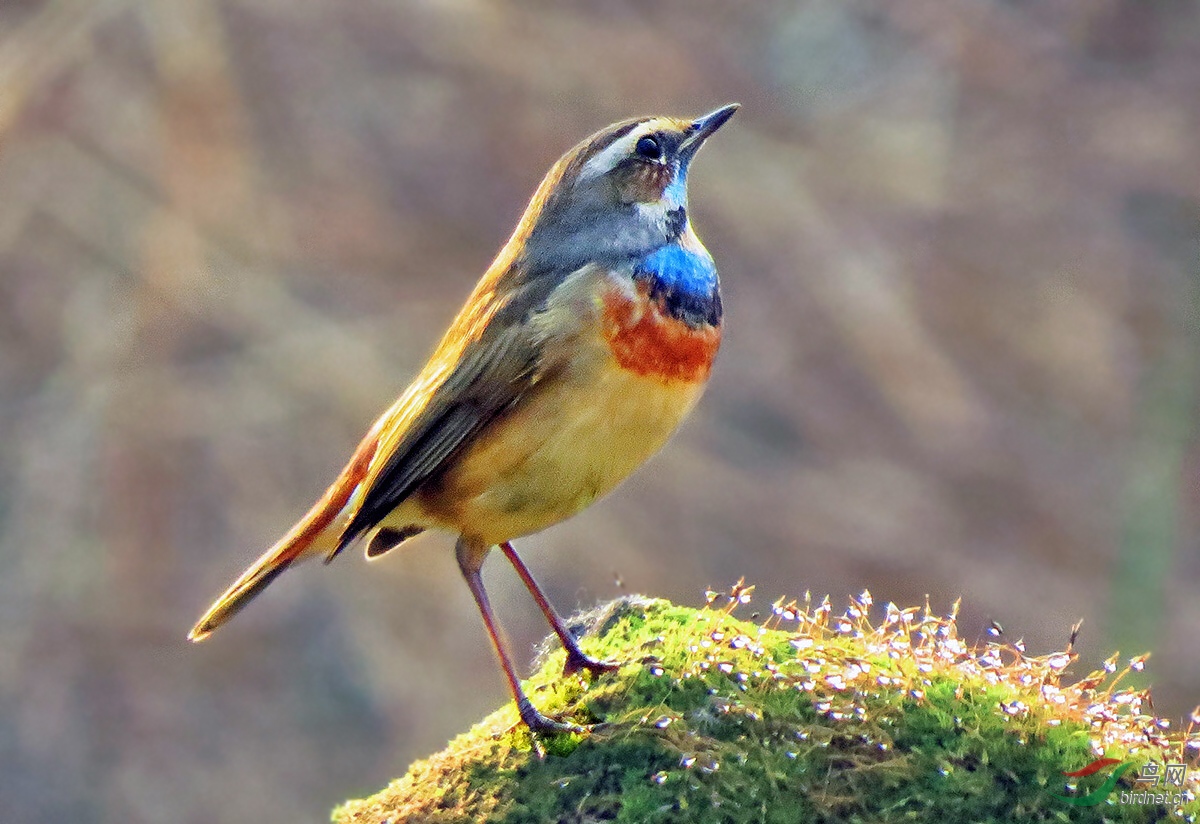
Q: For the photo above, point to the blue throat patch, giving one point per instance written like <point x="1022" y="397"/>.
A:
<point x="685" y="281"/>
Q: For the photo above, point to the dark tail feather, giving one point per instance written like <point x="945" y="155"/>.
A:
<point x="388" y="539"/>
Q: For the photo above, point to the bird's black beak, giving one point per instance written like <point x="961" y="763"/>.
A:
<point x="703" y="127"/>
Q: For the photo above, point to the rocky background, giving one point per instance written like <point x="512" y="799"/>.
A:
<point x="960" y="243"/>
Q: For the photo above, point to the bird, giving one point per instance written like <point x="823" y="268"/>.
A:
<point x="580" y="351"/>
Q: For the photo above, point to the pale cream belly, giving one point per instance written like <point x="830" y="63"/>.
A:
<point x="563" y="447"/>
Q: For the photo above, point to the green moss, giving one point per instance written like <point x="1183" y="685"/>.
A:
<point x="806" y="717"/>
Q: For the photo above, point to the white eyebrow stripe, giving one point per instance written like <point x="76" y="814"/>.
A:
<point x="614" y="154"/>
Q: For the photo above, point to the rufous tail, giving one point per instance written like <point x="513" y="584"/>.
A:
<point x="262" y="572"/>
<point x="317" y="531"/>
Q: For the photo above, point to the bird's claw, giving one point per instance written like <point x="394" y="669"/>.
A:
<point x="542" y="725"/>
<point x="577" y="661"/>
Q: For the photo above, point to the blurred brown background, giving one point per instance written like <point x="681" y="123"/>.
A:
<point x="959" y="242"/>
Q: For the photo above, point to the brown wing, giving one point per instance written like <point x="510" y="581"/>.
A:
<point x="490" y="359"/>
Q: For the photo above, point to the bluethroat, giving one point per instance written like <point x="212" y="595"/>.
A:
<point x="583" y="346"/>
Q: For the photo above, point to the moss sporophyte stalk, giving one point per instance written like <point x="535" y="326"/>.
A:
<point x="804" y="714"/>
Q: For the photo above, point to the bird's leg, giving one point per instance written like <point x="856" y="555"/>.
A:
<point x="576" y="658"/>
<point x="470" y="560"/>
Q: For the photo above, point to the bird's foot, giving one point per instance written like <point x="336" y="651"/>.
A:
<point x="577" y="661"/>
<point x="541" y="725"/>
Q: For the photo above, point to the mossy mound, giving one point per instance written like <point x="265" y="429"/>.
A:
<point x="806" y="716"/>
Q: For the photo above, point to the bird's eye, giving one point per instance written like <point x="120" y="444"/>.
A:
<point x="648" y="148"/>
